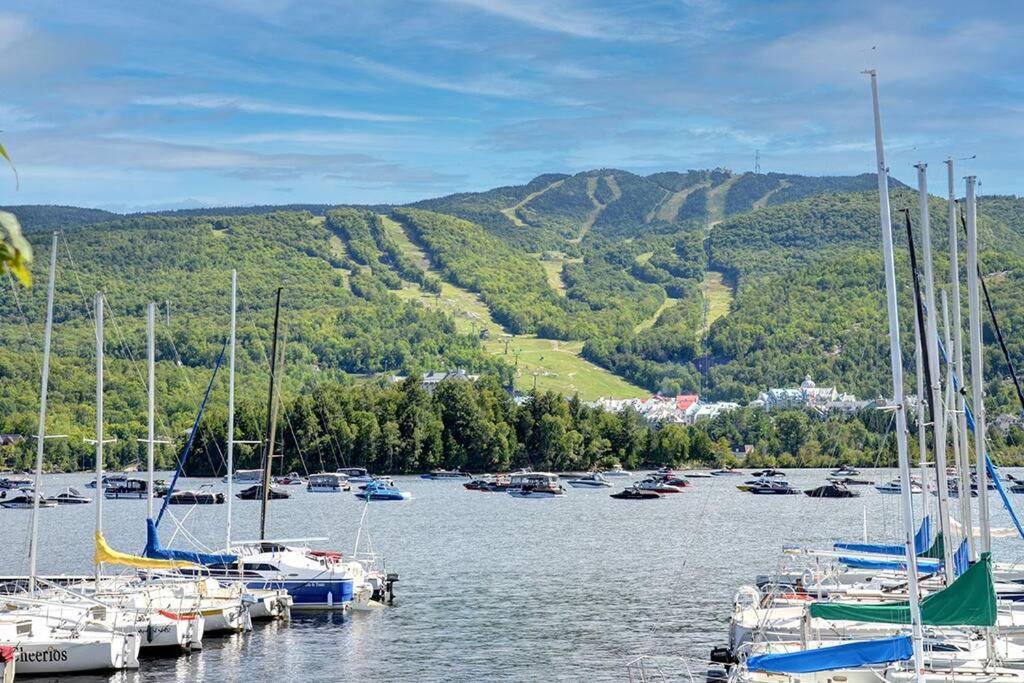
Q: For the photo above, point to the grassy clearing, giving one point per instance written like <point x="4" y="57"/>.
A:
<point x="511" y="212"/>
<point x="649" y="323"/>
<point x="716" y="200"/>
<point x="718" y="297"/>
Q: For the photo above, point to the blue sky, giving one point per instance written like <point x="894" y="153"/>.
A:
<point x="134" y="104"/>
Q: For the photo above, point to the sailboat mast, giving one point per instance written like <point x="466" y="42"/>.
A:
<point x="896" y="359"/>
<point x="231" y="408"/>
<point x="931" y="338"/>
<point x="977" y="366"/>
<point x="99" y="422"/>
<point x="268" y="451"/>
<point x="919" y="414"/>
<point x="963" y="463"/>
<point x="151" y="403"/>
<point x="33" y="544"/>
<point x="953" y="430"/>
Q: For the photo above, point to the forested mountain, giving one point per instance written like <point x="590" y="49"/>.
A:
<point x="702" y="280"/>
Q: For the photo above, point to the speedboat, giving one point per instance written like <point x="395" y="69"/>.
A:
<point x="328" y="482"/>
<point x="200" y="496"/>
<point x="481" y="484"/>
<point x="724" y="472"/>
<point x="658" y="486"/>
<point x="769" y="472"/>
<point x="376" y="490"/>
<point x="845" y="471"/>
<point x="773" y="488"/>
<point x="699" y="474"/>
<point x="15" y="483"/>
<point x="849" y="481"/>
<point x="535" y="485"/>
<point x="833" y="490"/>
<point x="617" y="472"/>
<point x="245" y="477"/>
<point x="256" y="493"/>
<point x="70" y="496"/>
<point x="445" y="474"/>
<point x="22" y="500"/>
<point x="894" y="487"/>
<point x="636" y="493"/>
<point x="356" y="475"/>
<point x="761" y="482"/>
<point x="113" y="479"/>
<point x="592" y="480"/>
<point x="290" y="479"/>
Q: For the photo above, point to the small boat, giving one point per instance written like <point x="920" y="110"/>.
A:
<point x="445" y="474"/>
<point x="113" y="479"/>
<point x="200" y="496"/>
<point x="15" y="483"/>
<point x="356" y="475"/>
<point x="636" y="493"/>
<point x="500" y="484"/>
<point x="850" y="481"/>
<point x="761" y="482"/>
<point x="769" y="472"/>
<point x="699" y="474"/>
<point x="617" y="472"/>
<point x="245" y="477"/>
<point x="256" y="493"/>
<point x="845" y="471"/>
<point x="290" y="479"/>
<point x="376" y="490"/>
<point x="70" y="496"/>
<point x="725" y="472"/>
<point x="132" y="488"/>
<point x="833" y="490"/>
<point x="328" y="482"/>
<point x="893" y="487"/>
<point x="773" y="488"/>
<point x="481" y="484"/>
<point x="534" y="485"/>
<point x="592" y="480"/>
<point x="658" y="486"/>
<point x="22" y="500"/>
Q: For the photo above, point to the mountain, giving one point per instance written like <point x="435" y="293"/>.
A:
<point x="599" y="283"/>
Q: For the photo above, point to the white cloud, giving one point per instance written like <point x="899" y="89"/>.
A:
<point x="208" y="101"/>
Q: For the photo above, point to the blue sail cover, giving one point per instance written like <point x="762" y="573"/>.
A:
<point x="845" y="656"/>
<point x="924" y="565"/>
<point x="922" y="541"/>
<point x="156" y="551"/>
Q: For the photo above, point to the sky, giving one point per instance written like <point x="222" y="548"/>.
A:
<point x="138" y="104"/>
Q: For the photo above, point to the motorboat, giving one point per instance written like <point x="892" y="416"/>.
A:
<point x="725" y="472"/>
<point x="256" y="493"/>
<point x="617" y="472"/>
<point x="658" y="486"/>
<point x="132" y="488"/>
<point x="480" y="484"/>
<point x="290" y="479"/>
<point x="379" y="491"/>
<point x="894" y="488"/>
<point x="845" y="471"/>
<point x="768" y="472"/>
<point x="773" y="488"/>
<point x="534" y="485"/>
<point x="113" y="479"/>
<point x="327" y="482"/>
<point x="383" y="481"/>
<point x="445" y="474"/>
<point x="761" y="482"/>
<point x="593" y="480"/>
<point x="22" y="500"/>
<point x="636" y="493"/>
<point x="832" y="490"/>
<point x="356" y="475"/>
<point x="70" y="496"/>
<point x="245" y="477"/>
<point x="201" y="496"/>
<point x="15" y="483"/>
<point x="698" y="474"/>
<point x="849" y="481"/>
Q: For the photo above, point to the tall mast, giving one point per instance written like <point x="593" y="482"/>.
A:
<point x="977" y="366"/>
<point x="963" y="464"/>
<point x="896" y="359"/>
<point x="151" y="403"/>
<point x="231" y="408"/>
<point x="919" y="414"/>
<point x="949" y="409"/>
<point x="268" y="451"/>
<point x="33" y="544"/>
<point x="931" y="339"/>
<point x="99" y="422"/>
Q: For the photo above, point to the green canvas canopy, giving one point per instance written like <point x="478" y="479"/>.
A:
<point x="968" y="601"/>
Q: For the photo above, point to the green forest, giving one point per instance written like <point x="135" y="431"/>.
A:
<point x="606" y="264"/>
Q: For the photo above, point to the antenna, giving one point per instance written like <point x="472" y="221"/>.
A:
<point x="757" y="161"/>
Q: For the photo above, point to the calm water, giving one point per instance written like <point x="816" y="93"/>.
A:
<point x="492" y="587"/>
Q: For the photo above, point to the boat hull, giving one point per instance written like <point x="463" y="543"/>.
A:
<point x="69" y="656"/>
<point x="312" y="594"/>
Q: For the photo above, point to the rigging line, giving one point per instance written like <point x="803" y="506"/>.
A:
<point x="24" y="318"/>
<point x="74" y="271"/>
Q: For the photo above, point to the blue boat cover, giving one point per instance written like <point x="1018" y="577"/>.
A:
<point x="845" y="656"/>
<point x="925" y="565"/>
<point x="922" y="541"/>
<point x="155" y="550"/>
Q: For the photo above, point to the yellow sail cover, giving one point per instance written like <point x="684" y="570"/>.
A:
<point x="104" y="553"/>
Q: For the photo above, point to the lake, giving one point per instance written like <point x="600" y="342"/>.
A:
<point x="492" y="587"/>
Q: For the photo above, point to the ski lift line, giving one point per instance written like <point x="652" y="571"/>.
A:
<point x="192" y="434"/>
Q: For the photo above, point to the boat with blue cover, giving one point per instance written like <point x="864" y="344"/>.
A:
<point x="376" y="490"/>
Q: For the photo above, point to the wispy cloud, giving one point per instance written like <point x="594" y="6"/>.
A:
<point x="227" y="102"/>
<point x="557" y="17"/>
